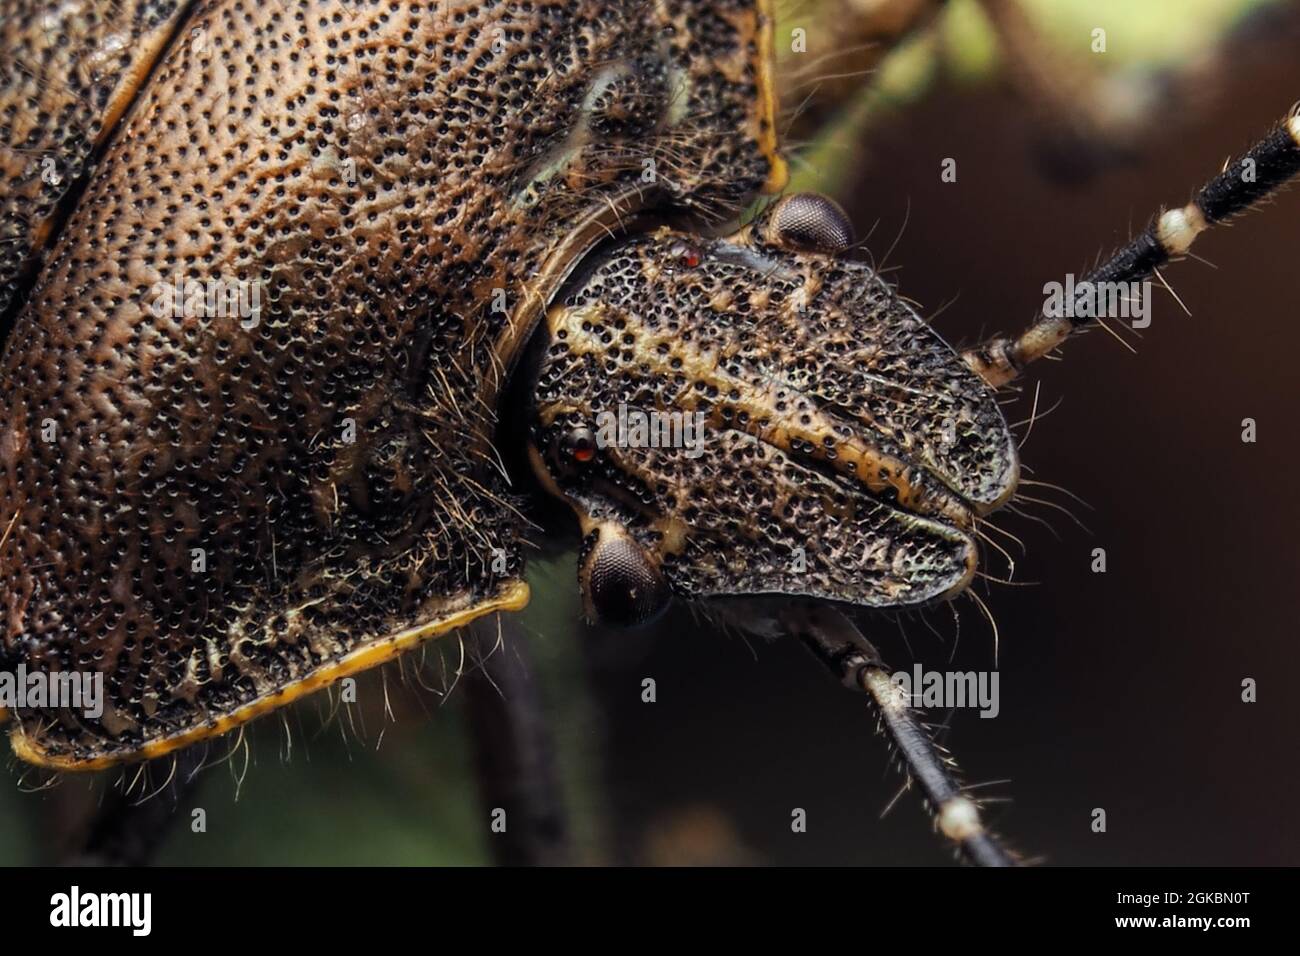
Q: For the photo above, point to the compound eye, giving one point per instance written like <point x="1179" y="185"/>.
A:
<point x="578" y="446"/>
<point x="812" y="222"/>
<point x="623" y="587"/>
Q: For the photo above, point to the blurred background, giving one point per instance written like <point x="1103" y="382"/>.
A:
<point x="1119" y="690"/>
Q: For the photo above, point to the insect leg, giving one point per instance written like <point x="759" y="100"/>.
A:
<point x="1259" y="172"/>
<point x="129" y="826"/>
<point x="514" y="750"/>
<point x="841" y="647"/>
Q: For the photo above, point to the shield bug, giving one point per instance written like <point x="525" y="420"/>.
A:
<point x="259" y="351"/>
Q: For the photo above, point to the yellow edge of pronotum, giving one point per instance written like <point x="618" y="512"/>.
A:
<point x="779" y="172"/>
<point x="513" y="598"/>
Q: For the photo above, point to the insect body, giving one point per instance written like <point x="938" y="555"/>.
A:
<point x="254" y="388"/>
<point x="251" y="394"/>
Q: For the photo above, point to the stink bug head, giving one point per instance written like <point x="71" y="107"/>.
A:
<point x="768" y="418"/>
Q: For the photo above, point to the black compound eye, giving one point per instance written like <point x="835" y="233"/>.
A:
<point x="623" y="586"/>
<point x="811" y="221"/>
<point x="578" y="446"/>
